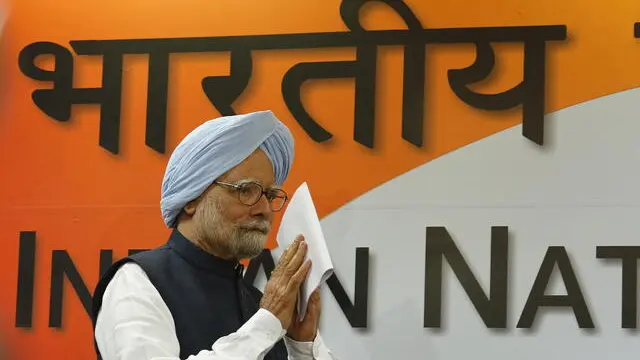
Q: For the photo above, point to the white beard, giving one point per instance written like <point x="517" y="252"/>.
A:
<point x="236" y="241"/>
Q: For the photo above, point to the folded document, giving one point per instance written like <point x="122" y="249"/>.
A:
<point x="300" y="217"/>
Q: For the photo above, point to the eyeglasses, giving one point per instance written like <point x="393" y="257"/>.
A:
<point x="250" y="192"/>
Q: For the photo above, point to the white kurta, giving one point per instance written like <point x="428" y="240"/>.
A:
<point x="134" y="323"/>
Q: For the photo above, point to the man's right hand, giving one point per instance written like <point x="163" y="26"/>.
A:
<point x="281" y="291"/>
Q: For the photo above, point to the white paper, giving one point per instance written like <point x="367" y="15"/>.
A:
<point x="301" y="218"/>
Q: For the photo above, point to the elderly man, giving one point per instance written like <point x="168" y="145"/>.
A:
<point x="187" y="299"/>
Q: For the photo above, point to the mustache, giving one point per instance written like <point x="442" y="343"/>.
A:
<point x="262" y="226"/>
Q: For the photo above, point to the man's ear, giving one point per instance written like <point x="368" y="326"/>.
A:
<point x="190" y="208"/>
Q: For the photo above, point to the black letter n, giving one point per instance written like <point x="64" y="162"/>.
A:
<point x="492" y="309"/>
<point x="61" y="265"/>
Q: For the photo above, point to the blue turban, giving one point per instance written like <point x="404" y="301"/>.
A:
<point x="216" y="147"/>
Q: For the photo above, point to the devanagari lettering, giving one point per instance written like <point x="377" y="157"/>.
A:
<point x="529" y="93"/>
<point x="222" y="91"/>
<point x="57" y="102"/>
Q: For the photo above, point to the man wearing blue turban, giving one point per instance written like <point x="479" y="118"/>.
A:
<point x="187" y="299"/>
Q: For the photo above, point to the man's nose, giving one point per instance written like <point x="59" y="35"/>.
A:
<point x="263" y="208"/>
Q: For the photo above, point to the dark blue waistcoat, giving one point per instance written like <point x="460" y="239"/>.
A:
<point x="206" y="295"/>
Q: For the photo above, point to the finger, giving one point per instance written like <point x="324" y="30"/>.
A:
<point x="314" y="302"/>
<point x="288" y="254"/>
<point x="291" y="250"/>
<point x="300" y="275"/>
<point x="297" y="260"/>
<point x="315" y="297"/>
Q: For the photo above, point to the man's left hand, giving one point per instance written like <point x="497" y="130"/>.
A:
<point x="306" y="330"/>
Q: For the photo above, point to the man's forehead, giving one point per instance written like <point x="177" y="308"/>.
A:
<point x="238" y="176"/>
<point x="247" y="180"/>
<point x="256" y="167"/>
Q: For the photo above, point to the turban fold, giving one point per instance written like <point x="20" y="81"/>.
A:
<point x="216" y="147"/>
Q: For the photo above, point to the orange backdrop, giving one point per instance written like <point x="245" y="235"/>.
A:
<point x="78" y="197"/>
